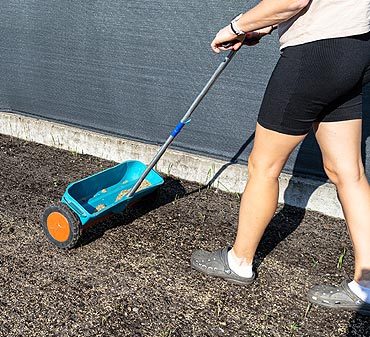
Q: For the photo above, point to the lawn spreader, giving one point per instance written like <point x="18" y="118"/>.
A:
<point x="91" y="199"/>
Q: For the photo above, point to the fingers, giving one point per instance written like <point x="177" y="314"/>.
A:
<point x="218" y="47"/>
<point x="237" y="45"/>
<point x="215" y="46"/>
<point x="224" y="46"/>
<point x="223" y="36"/>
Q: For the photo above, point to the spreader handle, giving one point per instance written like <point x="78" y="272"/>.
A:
<point x="185" y="120"/>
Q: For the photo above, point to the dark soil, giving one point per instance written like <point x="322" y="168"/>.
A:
<point x="130" y="275"/>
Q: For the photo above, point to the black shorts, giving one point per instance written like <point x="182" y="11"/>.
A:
<point x="317" y="81"/>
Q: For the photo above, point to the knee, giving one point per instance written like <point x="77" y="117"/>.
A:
<point x="344" y="173"/>
<point x="265" y="167"/>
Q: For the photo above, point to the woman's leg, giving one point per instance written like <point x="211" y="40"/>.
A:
<point x="259" y="201"/>
<point x="340" y="144"/>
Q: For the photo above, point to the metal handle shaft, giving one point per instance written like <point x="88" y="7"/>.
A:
<point x="183" y="121"/>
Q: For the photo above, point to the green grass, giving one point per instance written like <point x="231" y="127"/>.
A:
<point x="294" y="327"/>
<point x="341" y="259"/>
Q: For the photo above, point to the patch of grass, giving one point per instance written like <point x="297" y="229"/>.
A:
<point x="210" y="174"/>
<point x="166" y="333"/>
<point x="202" y="217"/>
<point x="53" y="139"/>
<point x="223" y="185"/>
<point x="169" y="169"/>
<point x="341" y="259"/>
<point x="294" y="327"/>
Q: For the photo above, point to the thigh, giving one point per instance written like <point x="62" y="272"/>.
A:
<point x="340" y="144"/>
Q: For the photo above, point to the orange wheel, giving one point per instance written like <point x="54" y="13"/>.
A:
<point x="58" y="226"/>
<point x="61" y="226"/>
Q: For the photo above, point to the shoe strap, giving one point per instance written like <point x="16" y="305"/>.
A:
<point x="349" y="292"/>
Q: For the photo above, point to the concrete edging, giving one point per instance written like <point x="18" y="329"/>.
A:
<point x="301" y="192"/>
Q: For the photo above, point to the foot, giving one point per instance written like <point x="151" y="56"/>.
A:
<point x="216" y="264"/>
<point x="340" y="297"/>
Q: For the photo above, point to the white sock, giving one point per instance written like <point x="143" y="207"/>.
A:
<point x="361" y="291"/>
<point x="239" y="265"/>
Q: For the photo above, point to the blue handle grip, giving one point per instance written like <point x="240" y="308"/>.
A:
<point x="178" y="128"/>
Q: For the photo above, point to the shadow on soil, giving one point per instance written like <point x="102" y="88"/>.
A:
<point x="169" y="191"/>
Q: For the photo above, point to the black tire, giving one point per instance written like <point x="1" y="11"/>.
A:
<point x="66" y="238"/>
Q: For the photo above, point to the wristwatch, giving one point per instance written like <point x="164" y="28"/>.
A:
<point x="234" y="26"/>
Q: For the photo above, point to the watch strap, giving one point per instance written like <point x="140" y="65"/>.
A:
<point x="234" y="27"/>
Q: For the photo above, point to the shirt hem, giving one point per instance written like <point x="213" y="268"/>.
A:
<point x="296" y="42"/>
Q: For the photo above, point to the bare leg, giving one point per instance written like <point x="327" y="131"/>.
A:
<point x="259" y="201"/>
<point x="340" y="144"/>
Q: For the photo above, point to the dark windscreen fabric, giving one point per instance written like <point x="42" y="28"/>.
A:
<point x="132" y="68"/>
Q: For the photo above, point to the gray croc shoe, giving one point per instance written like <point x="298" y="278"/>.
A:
<point x="340" y="297"/>
<point x="216" y="264"/>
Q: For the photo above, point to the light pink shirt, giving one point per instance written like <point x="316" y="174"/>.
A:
<point x="325" y="19"/>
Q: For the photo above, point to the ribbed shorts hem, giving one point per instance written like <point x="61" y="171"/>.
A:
<point x="282" y="129"/>
<point x="296" y="132"/>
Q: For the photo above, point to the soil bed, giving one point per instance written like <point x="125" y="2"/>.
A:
<point x="130" y="275"/>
